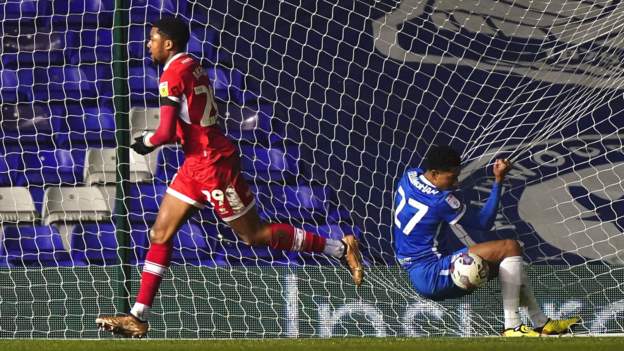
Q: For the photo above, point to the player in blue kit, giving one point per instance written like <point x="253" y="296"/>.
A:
<point x="424" y="201"/>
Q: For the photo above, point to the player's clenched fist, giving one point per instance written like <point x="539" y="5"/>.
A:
<point x="501" y="167"/>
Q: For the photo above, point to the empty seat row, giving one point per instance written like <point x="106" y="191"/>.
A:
<point x="97" y="244"/>
<point x="99" y="166"/>
<point x="29" y="127"/>
<point x="92" y="81"/>
<point x="89" y="13"/>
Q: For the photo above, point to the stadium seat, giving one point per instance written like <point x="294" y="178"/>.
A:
<point x="191" y="247"/>
<point x="228" y="84"/>
<point x="139" y="242"/>
<point x="204" y="43"/>
<point x="138" y="34"/>
<point x="52" y="167"/>
<point x="142" y="167"/>
<point x="74" y="204"/>
<point x="275" y="163"/>
<point x="148" y="11"/>
<point x="81" y="126"/>
<point x="26" y="44"/>
<point x="34" y="246"/>
<point x="8" y="165"/>
<point x="169" y="160"/>
<point x="94" y="243"/>
<point x="294" y="203"/>
<point x="143" y="119"/>
<point x="143" y="81"/>
<point x="83" y="13"/>
<point x="73" y="83"/>
<point x="109" y="193"/>
<point x="144" y="202"/>
<point x="16" y="205"/>
<point x="12" y="90"/>
<point x="101" y="167"/>
<point x="251" y="124"/>
<point x="24" y="9"/>
<point x="25" y="127"/>
<point x="90" y="45"/>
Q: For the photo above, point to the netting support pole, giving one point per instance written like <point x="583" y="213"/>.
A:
<point x="122" y="135"/>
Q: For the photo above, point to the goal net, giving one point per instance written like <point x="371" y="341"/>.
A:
<point x="329" y="102"/>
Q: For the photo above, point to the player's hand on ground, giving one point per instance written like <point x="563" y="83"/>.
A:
<point x="501" y="167"/>
<point x="139" y="146"/>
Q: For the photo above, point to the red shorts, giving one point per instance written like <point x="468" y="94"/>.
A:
<point x="221" y="184"/>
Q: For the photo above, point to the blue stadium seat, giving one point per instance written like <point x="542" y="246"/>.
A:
<point x="52" y="167"/>
<point x="77" y="126"/>
<point x="12" y="89"/>
<point x="228" y="84"/>
<point x="25" y="126"/>
<point x="148" y="11"/>
<point x="72" y="83"/>
<point x="169" y="160"/>
<point x="204" y="43"/>
<point x="191" y="247"/>
<point x="83" y="13"/>
<point x="252" y="124"/>
<point x="275" y="163"/>
<point x="25" y="44"/>
<point x="24" y="9"/>
<point x="91" y="46"/>
<point x="139" y="242"/>
<point x="34" y="246"/>
<point x="144" y="202"/>
<point x="94" y="243"/>
<point x="10" y="164"/>
<point x="138" y="35"/>
<point x="143" y="81"/>
<point x="295" y="203"/>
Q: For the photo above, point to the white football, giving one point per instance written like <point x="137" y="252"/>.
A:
<point x="469" y="271"/>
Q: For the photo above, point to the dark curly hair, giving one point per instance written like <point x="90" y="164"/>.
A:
<point x="442" y="158"/>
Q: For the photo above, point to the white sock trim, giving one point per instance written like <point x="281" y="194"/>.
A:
<point x="140" y="311"/>
<point x="334" y="248"/>
<point x="154" y="268"/>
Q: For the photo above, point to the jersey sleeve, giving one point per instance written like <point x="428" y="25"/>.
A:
<point x="171" y="88"/>
<point x="451" y="209"/>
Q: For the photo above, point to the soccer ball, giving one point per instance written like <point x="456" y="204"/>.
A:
<point x="469" y="271"/>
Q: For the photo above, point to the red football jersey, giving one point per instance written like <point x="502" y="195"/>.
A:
<point x="184" y="82"/>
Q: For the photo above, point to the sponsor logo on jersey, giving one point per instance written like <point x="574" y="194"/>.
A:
<point x="563" y="199"/>
<point x="413" y="177"/>
<point x="555" y="41"/>
<point x="163" y="88"/>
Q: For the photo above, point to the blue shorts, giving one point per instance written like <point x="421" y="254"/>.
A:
<point x="433" y="279"/>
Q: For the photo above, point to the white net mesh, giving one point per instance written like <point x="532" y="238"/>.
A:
<point x="329" y="102"/>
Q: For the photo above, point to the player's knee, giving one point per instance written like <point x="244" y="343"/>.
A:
<point x="512" y="247"/>
<point x="157" y="235"/>
<point x="259" y="236"/>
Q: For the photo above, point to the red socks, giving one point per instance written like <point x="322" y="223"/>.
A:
<point x="156" y="262"/>
<point x="287" y="237"/>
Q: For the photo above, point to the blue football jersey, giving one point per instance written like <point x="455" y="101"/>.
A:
<point x="420" y="209"/>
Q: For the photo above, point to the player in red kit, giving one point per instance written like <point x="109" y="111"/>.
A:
<point x="210" y="174"/>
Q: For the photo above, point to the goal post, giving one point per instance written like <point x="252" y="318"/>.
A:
<point x="329" y="102"/>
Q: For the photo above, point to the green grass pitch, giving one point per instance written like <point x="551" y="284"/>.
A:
<point x="337" y="344"/>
